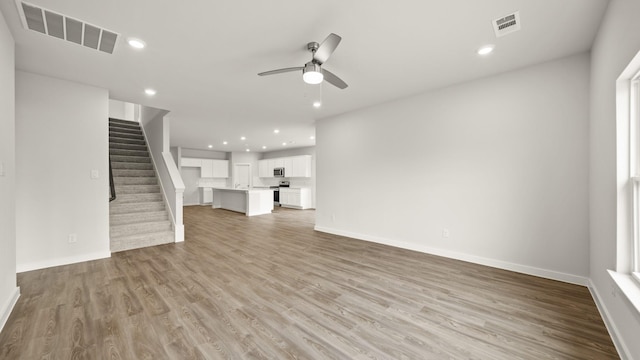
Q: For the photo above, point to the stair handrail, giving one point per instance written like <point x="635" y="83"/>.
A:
<point x="112" y="187"/>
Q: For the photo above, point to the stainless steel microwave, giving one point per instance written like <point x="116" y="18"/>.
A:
<point x="278" y="172"/>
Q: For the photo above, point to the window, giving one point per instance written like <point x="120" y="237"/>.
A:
<point x="634" y="156"/>
<point x="627" y="273"/>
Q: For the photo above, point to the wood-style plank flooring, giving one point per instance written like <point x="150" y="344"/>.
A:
<point x="270" y="287"/>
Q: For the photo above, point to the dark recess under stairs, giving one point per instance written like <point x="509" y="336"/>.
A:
<point x="137" y="217"/>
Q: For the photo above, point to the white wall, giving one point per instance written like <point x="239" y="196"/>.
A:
<point x="121" y="110"/>
<point x="617" y="42"/>
<point x="500" y="162"/>
<point x="243" y="158"/>
<point x="203" y="154"/>
<point x="61" y="136"/>
<point x="8" y="290"/>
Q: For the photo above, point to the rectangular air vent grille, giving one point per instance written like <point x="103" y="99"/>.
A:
<point x="507" y="24"/>
<point x="67" y="28"/>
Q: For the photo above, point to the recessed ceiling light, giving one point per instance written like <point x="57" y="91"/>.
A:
<point x="136" y="43"/>
<point x="149" y="92"/>
<point x="317" y="104"/>
<point x="276" y="131"/>
<point x="486" y="50"/>
<point x="284" y="144"/>
<point x="243" y="138"/>
<point x="224" y="143"/>
<point x="210" y="146"/>
<point x="264" y="147"/>
<point x="248" y="150"/>
<point x="312" y="137"/>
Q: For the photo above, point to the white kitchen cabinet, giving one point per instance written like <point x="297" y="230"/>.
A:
<point x="220" y="168"/>
<point x="286" y="164"/>
<point x="278" y="162"/>
<point x="265" y="168"/>
<point x="206" y="171"/>
<point x="294" y="166"/>
<point x="300" y="166"/>
<point x="214" y="168"/>
<point x="190" y="162"/>
<point x="207" y="195"/>
<point x="295" y="198"/>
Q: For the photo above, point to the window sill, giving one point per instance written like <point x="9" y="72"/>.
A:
<point x="628" y="286"/>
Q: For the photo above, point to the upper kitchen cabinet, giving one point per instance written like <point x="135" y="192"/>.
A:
<point x="220" y="168"/>
<point x="294" y="166"/>
<point x="209" y="168"/>
<point x="214" y="168"/>
<point x="265" y="168"/>
<point x="300" y="166"/>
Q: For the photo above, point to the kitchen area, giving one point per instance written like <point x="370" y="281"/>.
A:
<point x="248" y="183"/>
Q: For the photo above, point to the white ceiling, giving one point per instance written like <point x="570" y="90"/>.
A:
<point x="203" y="56"/>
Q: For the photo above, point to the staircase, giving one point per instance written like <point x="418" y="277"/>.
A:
<point x="138" y="217"/>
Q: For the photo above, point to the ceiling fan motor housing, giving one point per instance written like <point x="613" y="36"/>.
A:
<point x="312" y="73"/>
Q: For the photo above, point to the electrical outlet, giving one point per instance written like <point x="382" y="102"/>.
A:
<point x="73" y="238"/>
<point x="445" y="233"/>
<point x="95" y="174"/>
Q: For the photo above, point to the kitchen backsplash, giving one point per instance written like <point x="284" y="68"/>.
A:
<point x="212" y="182"/>
<point x="293" y="182"/>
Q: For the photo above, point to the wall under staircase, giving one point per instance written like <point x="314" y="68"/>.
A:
<point x="138" y="217"/>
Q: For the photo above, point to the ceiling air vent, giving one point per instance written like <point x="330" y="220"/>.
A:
<point x="66" y="28"/>
<point x="507" y="24"/>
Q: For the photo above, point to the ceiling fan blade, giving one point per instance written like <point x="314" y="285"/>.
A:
<point x="279" y="71"/>
<point x="332" y="79"/>
<point x="327" y="48"/>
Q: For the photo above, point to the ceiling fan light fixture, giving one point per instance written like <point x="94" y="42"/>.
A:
<point x="312" y="74"/>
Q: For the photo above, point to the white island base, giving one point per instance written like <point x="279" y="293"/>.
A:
<point x="251" y="202"/>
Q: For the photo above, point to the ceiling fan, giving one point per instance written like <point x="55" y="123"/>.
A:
<point x="312" y="72"/>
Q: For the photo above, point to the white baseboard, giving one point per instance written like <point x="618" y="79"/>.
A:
<point x="37" y="265"/>
<point x="611" y="327"/>
<point x="505" y="265"/>
<point x="8" y="307"/>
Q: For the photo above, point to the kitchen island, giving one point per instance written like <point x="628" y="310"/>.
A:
<point x="251" y="202"/>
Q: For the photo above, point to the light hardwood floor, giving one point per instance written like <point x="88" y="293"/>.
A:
<point x="270" y="287"/>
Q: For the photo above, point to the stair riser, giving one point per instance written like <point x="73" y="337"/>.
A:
<point x="135" y="208"/>
<point x="137" y="189"/>
<point x="130" y="166"/>
<point x="123" y="122"/>
<point x="142" y="228"/>
<point x="132" y="173"/>
<point x="138" y="241"/>
<point x="138" y="198"/>
<point x="125" y="130"/>
<point x="128" y="152"/>
<point x="127" y="146"/>
<point x="119" y="140"/>
<point x="123" y="219"/>
<point x="130" y="159"/>
<point x="135" y="181"/>
<point x="114" y="125"/>
<point x="125" y="135"/>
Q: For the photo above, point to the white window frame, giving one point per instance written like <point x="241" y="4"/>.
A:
<point x="626" y="276"/>
<point x="634" y="156"/>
